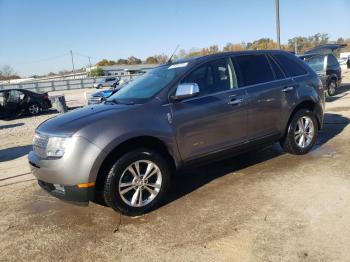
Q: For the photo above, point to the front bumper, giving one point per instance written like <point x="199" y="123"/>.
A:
<point x="79" y="166"/>
<point x="70" y="193"/>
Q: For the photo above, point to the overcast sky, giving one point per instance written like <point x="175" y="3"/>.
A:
<point x="36" y="35"/>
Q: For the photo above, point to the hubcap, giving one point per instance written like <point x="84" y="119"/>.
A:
<point x="304" y="132"/>
<point x="140" y="183"/>
<point x="33" y="109"/>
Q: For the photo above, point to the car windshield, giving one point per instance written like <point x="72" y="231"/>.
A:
<point x="316" y="63"/>
<point x="147" y="85"/>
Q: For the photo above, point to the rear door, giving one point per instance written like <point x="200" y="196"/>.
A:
<point x="216" y="119"/>
<point x="268" y="94"/>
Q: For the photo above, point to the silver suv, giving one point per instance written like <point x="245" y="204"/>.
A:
<point x="126" y="149"/>
<point x="107" y="82"/>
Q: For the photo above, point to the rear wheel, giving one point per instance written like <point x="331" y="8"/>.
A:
<point x="331" y="89"/>
<point x="34" y="109"/>
<point x="137" y="182"/>
<point x="302" y="133"/>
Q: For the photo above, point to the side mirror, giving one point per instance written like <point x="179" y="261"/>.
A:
<point x="186" y="90"/>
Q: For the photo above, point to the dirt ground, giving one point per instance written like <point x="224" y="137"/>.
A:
<point x="260" y="206"/>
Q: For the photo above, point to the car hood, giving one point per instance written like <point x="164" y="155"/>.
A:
<point x="70" y="123"/>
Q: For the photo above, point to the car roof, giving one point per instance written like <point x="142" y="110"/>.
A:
<point x="225" y="54"/>
<point x="19" y="89"/>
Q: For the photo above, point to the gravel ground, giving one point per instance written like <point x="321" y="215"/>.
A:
<point x="261" y="206"/>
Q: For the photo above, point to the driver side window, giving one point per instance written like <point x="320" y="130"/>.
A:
<point x="213" y="77"/>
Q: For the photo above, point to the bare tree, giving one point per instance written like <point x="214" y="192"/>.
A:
<point x="7" y="73"/>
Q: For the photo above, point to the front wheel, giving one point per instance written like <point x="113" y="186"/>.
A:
<point x="137" y="182"/>
<point x="301" y="134"/>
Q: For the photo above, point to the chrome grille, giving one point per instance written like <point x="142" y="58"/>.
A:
<point x="39" y="144"/>
<point x="94" y="100"/>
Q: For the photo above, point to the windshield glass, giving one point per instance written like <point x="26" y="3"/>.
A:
<point x="316" y="63"/>
<point x="147" y="85"/>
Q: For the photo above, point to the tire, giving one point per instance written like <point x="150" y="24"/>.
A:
<point x="292" y="143"/>
<point x="123" y="184"/>
<point x="34" y="109"/>
<point x="99" y="86"/>
<point x="331" y="88"/>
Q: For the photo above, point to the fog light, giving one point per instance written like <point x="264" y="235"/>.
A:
<point x="59" y="188"/>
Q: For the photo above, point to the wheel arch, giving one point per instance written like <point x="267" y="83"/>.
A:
<point x="310" y="105"/>
<point x="149" y="142"/>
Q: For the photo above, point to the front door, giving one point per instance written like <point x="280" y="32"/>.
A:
<point x="216" y="119"/>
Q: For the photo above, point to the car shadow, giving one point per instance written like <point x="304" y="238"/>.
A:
<point x="190" y="180"/>
<point x="27" y="115"/>
<point x="8" y="154"/>
<point x="339" y="93"/>
<point x="11" y="126"/>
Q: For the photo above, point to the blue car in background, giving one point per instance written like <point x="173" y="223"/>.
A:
<point x="100" y="96"/>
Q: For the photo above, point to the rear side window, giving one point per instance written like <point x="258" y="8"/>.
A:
<point x="253" y="69"/>
<point x="291" y="67"/>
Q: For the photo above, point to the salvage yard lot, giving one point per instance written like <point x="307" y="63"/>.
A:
<point x="260" y="206"/>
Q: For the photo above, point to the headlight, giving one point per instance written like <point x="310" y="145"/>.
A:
<point x="50" y="147"/>
<point x="57" y="146"/>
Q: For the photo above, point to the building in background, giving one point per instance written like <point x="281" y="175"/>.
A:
<point x="121" y="70"/>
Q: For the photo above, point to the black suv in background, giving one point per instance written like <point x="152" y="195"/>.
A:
<point x="126" y="149"/>
<point x="326" y="65"/>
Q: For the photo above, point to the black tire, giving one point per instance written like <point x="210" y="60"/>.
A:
<point x="289" y="143"/>
<point x="331" y="88"/>
<point x="99" y="86"/>
<point x="34" y="109"/>
<point x="111" y="187"/>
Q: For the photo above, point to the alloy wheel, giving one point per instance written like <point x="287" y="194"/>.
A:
<point x="331" y="88"/>
<point x="140" y="183"/>
<point x="33" y="109"/>
<point x="304" y="132"/>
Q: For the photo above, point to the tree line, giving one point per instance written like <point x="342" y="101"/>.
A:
<point x="299" y="44"/>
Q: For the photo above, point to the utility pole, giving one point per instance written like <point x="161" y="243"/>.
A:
<point x="277" y="4"/>
<point x="89" y="63"/>
<point x="296" y="46"/>
<point x="71" y="53"/>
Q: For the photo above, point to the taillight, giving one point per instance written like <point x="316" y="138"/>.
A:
<point x="46" y="97"/>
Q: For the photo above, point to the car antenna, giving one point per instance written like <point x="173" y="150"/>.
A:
<point x="169" y="61"/>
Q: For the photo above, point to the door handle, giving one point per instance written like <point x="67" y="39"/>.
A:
<point x="287" y="89"/>
<point x="235" y="101"/>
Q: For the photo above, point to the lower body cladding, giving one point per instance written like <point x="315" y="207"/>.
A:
<point x="72" y="177"/>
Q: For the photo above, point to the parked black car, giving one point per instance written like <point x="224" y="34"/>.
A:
<point x="325" y="64"/>
<point x="15" y="102"/>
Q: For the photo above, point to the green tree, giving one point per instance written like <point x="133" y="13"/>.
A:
<point x="151" y="60"/>
<point x="96" y="72"/>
